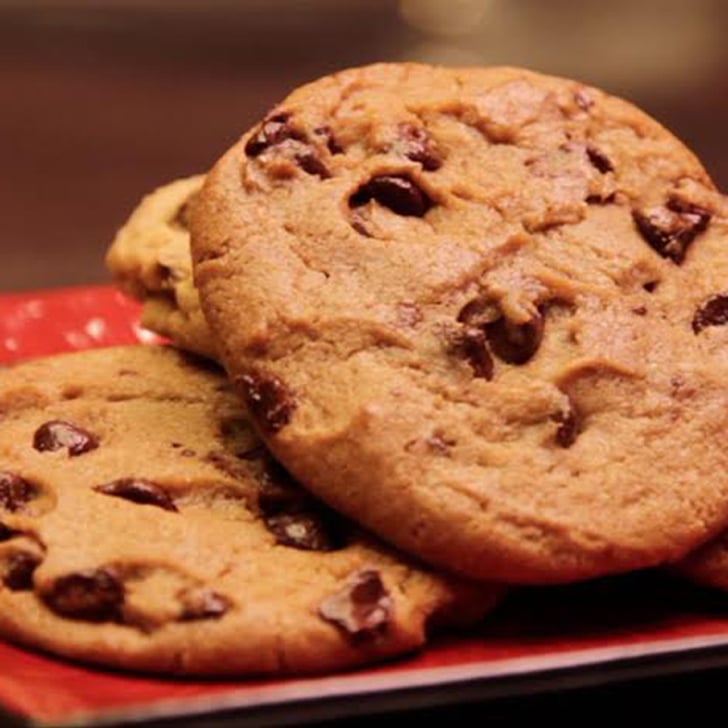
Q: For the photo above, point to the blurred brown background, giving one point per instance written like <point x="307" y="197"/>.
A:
<point x="102" y="100"/>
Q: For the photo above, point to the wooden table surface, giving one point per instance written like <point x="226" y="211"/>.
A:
<point x="97" y="107"/>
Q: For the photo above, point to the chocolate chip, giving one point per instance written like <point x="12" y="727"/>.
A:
<point x="291" y="515"/>
<point x="670" y="229"/>
<point x="202" y="603"/>
<point x="311" y="164"/>
<point x="600" y="200"/>
<point x="274" y="130"/>
<point x="599" y="160"/>
<point x="478" y="313"/>
<point x="15" y="492"/>
<point x="139" y="491"/>
<point x="398" y="193"/>
<point x="416" y="144"/>
<point x="471" y="344"/>
<point x="95" y="595"/>
<point x="569" y="427"/>
<point x="19" y="569"/>
<point x="333" y="146"/>
<point x="515" y="343"/>
<point x="650" y="286"/>
<point x="269" y="400"/>
<point x="56" y="435"/>
<point x="277" y="491"/>
<point x="487" y="329"/>
<point x="6" y="533"/>
<point x="363" y="608"/>
<point x="640" y="310"/>
<point x="305" y="531"/>
<point x="714" y="312"/>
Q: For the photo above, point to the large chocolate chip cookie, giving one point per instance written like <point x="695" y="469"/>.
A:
<point x="479" y="311"/>
<point x="144" y="526"/>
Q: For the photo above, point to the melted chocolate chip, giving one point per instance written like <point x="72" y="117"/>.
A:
<point x="489" y="331"/>
<point x="416" y="144"/>
<point x="683" y="207"/>
<point x="15" y="492"/>
<point x="139" y="491"/>
<point x="56" y="435"/>
<point x="305" y="531"/>
<point x="278" y="492"/>
<point x="274" y="130"/>
<point x="515" y="343"/>
<point x="569" y="427"/>
<point x="333" y="146"/>
<point x="202" y="603"/>
<point x="599" y="160"/>
<point x="93" y="595"/>
<point x="311" y="164"/>
<point x="6" y="533"/>
<point x="600" y="200"/>
<point x="398" y="193"/>
<point x="363" y="608"/>
<point x="714" y="312"/>
<point x="472" y="345"/>
<point x="268" y="399"/>
<point x="19" y="569"/>
<point x="479" y="312"/>
<point x="292" y="516"/>
<point x="669" y="230"/>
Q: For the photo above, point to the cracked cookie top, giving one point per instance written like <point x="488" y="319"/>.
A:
<point x="481" y="311"/>
<point x="143" y="525"/>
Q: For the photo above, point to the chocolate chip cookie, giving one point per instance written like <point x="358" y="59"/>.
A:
<point x="480" y="311"/>
<point x="144" y="526"/>
<point x="150" y="260"/>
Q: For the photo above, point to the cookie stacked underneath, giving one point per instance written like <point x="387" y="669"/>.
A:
<point x="143" y="525"/>
<point x="480" y="313"/>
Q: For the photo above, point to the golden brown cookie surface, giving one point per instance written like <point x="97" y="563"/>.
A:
<point x="144" y="526"/>
<point x="457" y="302"/>
<point x="150" y="259"/>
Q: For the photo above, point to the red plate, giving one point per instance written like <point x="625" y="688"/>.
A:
<point x="584" y="634"/>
